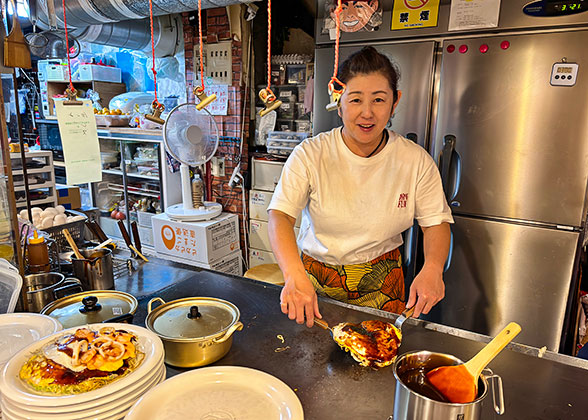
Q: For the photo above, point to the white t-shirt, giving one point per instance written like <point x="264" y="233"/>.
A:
<point x="354" y="209"/>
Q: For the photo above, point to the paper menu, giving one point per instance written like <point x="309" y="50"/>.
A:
<point x="473" y="14"/>
<point x="81" y="150"/>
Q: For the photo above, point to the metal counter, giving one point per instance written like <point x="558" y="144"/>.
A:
<point x="328" y="382"/>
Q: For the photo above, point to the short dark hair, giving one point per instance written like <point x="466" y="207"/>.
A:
<point x="369" y="60"/>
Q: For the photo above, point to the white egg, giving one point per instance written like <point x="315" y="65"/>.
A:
<point x="60" y="357"/>
<point x="47" y="222"/>
<point x="37" y="210"/>
<point x="48" y="212"/>
<point x="60" y="209"/>
<point x="59" y="219"/>
<point x="76" y="218"/>
<point x="24" y="214"/>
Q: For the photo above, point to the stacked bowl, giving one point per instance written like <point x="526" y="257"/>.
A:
<point x="111" y="401"/>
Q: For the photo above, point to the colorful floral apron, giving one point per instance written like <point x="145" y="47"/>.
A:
<point x="378" y="283"/>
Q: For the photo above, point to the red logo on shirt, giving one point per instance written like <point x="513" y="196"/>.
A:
<point x="402" y="199"/>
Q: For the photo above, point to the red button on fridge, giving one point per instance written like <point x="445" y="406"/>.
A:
<point x="504" y="45"/>
<point x="483" y="48"/>
<point x="463" y="48"/>
<point x="450" y="48"/>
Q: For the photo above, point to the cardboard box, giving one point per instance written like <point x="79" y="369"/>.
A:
<point x="258" y="203"/>
<point x="199" y="242"/>
<point x="229" y="264"/>
<point x="69" y="197"/>
<point x="258" y="235"/>
<point x="258" y="257"/>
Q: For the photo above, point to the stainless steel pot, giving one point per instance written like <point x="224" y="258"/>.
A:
<point x="91" y="307"/>
<point x="195" y="331"/>
<point x="412" y="405"/>
<point x="41" y="289"/>
<point x="95" y="269"/>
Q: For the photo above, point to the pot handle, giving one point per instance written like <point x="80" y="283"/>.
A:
<point x="128" y="318"/>
<point x="150" y="304"/>
<point x="237" y="326"/>
<point x="496" y="389"/>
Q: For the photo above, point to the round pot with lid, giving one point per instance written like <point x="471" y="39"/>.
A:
<point x="43" y="288"/>
<point x="92" y="307"/>
<point x="416" y="399"/>
<point x="195" y="331"/>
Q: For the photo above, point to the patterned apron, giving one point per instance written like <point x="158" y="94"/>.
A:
<point x="378" y="283"/>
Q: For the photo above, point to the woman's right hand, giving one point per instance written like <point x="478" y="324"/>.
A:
<point x="299" y="301"/>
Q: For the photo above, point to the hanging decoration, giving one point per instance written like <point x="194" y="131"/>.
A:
<point x="70" y="91"/>
<point x="199" y="90"/>
<point x="266" y="95"/>
<point x="156" y="107"/>
<point x="335" y="93"/>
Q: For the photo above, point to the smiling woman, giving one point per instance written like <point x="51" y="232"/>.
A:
<point x="358" y="188"/>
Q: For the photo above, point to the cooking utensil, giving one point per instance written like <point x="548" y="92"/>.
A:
<point x="136" y="237"/>
<point x="72" y="244"/>
<point x="97" y="230"/>
<point x="413" y="399"/>
<point x="16" y="49"/>
<point x="103" y="244"/>
<point x="195" y="331"/>
<point x="41" y="289"/>
<point x="124" y="233"/>
<point x="323" y="324"/>
<point x="138" y="253"/>
<point x="458" y="383"/>
<point x="92" y="306"/>
<point x="94" y="269"/>
<point x="407" y="313"/>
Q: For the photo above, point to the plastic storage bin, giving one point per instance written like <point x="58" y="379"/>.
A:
<point x="283" y="142"/>
<point x="99" y="73"/>
<point x="10" y="285"/>
<point x="287" y="110"/>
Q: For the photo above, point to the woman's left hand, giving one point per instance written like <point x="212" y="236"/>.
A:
<point x="426" y="290"/>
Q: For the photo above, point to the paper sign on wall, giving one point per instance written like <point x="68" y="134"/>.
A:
<point x="220" y="105"/>
<point x="413" y="14"/>
<point x="77" y="127"/>
<point x="473" y="14"/>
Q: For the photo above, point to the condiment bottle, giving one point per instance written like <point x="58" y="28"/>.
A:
<point x="38" y="254"/>
<point x="197" y="191"/>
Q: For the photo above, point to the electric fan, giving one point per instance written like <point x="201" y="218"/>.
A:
<point x="191" y="137"/>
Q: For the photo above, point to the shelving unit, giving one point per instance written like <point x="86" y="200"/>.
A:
<point x="44" y="175"/>
<point x="125" y="152"/>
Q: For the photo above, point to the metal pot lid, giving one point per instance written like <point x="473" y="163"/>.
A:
<point x="194" y="318"/>
<point x="90" y="307"/>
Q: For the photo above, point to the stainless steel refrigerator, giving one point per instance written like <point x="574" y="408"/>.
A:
<point x="511" y="140"/>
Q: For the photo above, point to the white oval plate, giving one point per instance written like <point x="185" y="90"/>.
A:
<point x="16" y="390"/>
<point x="230" y="392"/>
<point x="18" y="330"/>
<point x="120" y="406"/>
<point x="92" y="404"/>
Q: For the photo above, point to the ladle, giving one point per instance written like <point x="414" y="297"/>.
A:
<point x="72" y="244"/>
<point x="407" y="313"/>
<point x="459" y="383"/>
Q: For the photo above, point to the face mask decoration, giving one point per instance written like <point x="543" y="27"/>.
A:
<point x="355" y="16"/>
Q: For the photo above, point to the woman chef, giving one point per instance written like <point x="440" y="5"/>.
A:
<point x="359" y="187"/>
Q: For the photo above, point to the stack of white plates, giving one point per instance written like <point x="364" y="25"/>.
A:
<point x="112" y="401"/>
<point x="219" y="392"/>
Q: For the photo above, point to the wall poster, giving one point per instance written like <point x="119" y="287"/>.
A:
<point x="357" y="15"/>
<point x="413" y="14"/>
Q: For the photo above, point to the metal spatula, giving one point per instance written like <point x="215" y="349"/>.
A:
<point x="407" y="313"/>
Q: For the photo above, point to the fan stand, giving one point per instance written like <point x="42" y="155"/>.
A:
<point x="185" y="210"/>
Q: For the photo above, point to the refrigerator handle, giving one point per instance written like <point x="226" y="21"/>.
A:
<point x="450" y="255"/>
<point x="445" y="162"/>
<point x="408" y="245"/>
<point x="412" y="137"/>
<point x="457" y="184"/>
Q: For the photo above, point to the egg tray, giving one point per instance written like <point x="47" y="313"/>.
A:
<point x="76" y="230"/>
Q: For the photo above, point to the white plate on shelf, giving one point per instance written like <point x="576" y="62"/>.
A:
<point x="219" y="392"/>
<point x="118" y="406"/>
<point x="13" y="388"/>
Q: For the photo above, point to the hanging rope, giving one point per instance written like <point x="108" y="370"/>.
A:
<point x="155" y="101"/>
<point x="266" y="95"/>
<point x="71" y="87"/>
<point x="334" y="78"/>
<point x="199" y="90"/>
<point x="269" y="43"/>
<point x="201" y="45"/>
